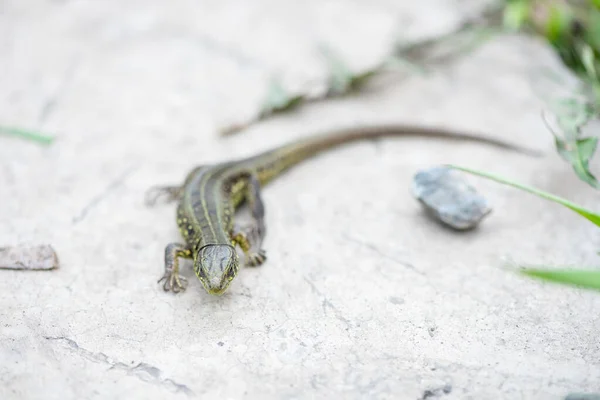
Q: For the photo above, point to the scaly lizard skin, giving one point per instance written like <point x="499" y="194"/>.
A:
<point x="210" y="195"/>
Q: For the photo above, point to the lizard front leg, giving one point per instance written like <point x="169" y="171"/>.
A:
<point x="173" y="281"/>
<point x="250" y="238"/>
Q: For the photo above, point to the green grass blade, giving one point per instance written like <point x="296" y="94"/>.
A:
<point x="28" y="135"/>
<point x="578" y="154"/>
<point x="587" y="58"/>
<point x="581" y="278"/>
<point x="589" y="215"/>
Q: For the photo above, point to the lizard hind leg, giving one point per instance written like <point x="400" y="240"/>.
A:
<point x="250" y="238"/>
<point x="168" y="193"/>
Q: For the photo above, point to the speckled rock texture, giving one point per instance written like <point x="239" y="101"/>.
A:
<point x="363" y="296"/>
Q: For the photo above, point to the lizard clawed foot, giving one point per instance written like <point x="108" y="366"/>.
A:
<point x="256" y="259"/>
<point x="173" y="282"/>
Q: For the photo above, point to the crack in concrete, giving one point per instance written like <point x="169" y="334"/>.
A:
<point x="328" y="304"/>
<point x="381" y="253"/>
<point x="50" y="104"/>
<point x="97" y="199"/>
<point x="143" y="371"/>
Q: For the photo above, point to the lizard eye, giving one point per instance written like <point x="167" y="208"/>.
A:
<point x="231" y="273"/>
<point x="200" y="272"/>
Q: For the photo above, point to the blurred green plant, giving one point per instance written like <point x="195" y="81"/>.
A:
<point x="26" y="134"/>
<point x="572" y="28"/>
<point x="342" y="80"/>
<point x="588" y="279"/>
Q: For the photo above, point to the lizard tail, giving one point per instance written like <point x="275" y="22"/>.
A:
<point x="274" y="162"/>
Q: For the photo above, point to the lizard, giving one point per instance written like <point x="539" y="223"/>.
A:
<point x="210" y="195"/>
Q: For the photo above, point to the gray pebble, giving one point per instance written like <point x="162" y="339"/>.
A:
<point x="28" y="257"/>
<point x="449" y="198"/>
<point x="583" y="396"/>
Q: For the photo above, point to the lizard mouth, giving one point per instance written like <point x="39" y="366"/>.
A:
<point x="216" y="291"/>
<point x="215" y="288"/>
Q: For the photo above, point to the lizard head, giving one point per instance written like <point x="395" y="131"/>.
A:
<point x="216" y="265"/>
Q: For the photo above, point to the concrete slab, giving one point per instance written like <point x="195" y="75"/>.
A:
<point x="363" y="296"/>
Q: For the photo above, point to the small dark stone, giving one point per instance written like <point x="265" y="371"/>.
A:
<point x="436" y="393"/>
<point x="449" y="198"/>
<point x="583" y="396"/>
<point x="221" y="344"/>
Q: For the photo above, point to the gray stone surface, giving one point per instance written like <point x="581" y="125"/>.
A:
<point x="449" y="198"/>
<point x="362" y="295"/>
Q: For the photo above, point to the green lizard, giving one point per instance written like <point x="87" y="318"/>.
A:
<point x="210" y="195"/>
